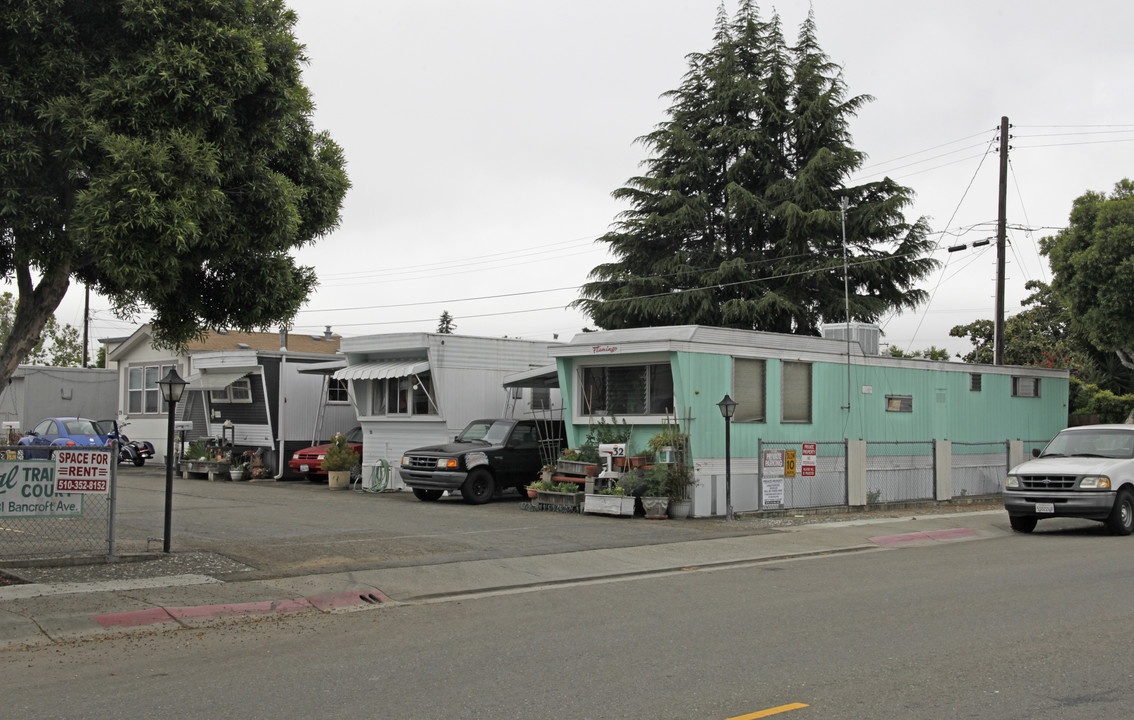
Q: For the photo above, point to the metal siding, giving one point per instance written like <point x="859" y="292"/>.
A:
<point x="389" y="439"/>
<point x="702" y="379"/>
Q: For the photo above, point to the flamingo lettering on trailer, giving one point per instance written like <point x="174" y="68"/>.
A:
<point x="82" y="471"/>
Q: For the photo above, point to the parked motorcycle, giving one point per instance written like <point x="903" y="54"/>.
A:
<point x="135" y="451"/>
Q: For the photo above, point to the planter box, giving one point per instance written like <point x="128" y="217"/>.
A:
<point x="559" y="500"/>
<point x="609" y="504"/>
<point x="572" y="467"/>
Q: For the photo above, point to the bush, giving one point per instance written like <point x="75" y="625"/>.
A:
<point x="340" y="455"/>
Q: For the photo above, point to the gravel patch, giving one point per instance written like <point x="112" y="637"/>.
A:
<point x="131" y="568"/>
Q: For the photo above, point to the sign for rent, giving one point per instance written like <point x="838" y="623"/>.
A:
<point x="27" y="489"/>
<point x="82" y="471"/>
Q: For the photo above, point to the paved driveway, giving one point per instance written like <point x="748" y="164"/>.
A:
<point x="289" y="528"/>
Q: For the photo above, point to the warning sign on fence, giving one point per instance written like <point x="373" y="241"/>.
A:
<point x="82" y="471"/>
<point x="807" y="460"/>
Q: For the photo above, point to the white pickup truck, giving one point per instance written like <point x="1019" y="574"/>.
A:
<point x="1084" y="472"/>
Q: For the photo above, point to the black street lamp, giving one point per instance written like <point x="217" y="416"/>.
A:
<point x="172" y="387"/>
<point x="728" y="408"/>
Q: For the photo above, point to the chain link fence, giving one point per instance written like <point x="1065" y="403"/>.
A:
<point x="37" y="522"/>
<point x="979" y="468"/>
<point x="828" y="486"/>
<point x="899" y="471"/>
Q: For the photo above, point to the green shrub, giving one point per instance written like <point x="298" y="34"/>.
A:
<point x="340" y="455"/>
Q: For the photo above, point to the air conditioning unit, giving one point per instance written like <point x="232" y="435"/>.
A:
<point x="867" y="335"/>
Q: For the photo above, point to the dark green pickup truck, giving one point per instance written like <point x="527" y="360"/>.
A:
<point x="486" y="457"/>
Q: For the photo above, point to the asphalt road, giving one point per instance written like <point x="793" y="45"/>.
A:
<point x="999" y="626"/>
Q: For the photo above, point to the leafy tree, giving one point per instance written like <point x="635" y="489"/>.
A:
<point x="1038" y="335"/>
<point x="1092" y="262"/>
<point x="445" y="325"/>
<point x="930" y="353"/>
<point x="736" y="221"/>
<point x="57" y="344"/>
<point x="162" y="153"/>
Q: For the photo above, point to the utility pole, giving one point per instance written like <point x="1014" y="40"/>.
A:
<point x="1001" y="226"/>
<point x="86" y="324"/>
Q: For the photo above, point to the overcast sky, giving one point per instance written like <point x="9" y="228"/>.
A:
<point x="484" y="139"/>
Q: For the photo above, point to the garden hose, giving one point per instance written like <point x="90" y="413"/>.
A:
<point x="380" y="478"/>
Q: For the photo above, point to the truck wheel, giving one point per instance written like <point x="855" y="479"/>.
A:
<point x="427" y="495"/>
<point x="1021" y="523"/>
<point x="1121" y="519"/>
<point x="479" y="487"/>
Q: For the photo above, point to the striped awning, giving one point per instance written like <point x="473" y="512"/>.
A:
<point x="215" y="379"/>
<point x="382" y="369"/>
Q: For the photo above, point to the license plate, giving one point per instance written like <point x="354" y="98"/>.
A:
<point x="1045" y="508"/>
<point x="306" y="468"/>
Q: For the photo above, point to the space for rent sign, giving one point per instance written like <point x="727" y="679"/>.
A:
<point x="27" y="489"/>
<point x="82" y="471"/>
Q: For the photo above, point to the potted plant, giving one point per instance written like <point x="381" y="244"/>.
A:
<point x="237" y="470"/>
<point x="338" y="461"/>
<point x="563" y="496"/>
<point x="655" y="491"/>
<point x="668" y="444"/>
<point x="543" y="484"/>
<point x="611" y="500"/>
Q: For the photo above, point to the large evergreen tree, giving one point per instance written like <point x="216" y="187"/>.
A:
<point x="736" y="221"/>
<point x="162" y="153"/>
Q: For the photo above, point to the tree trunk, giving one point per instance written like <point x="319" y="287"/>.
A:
<point x="1124" y="358"/>
<point x="34" y="305"/>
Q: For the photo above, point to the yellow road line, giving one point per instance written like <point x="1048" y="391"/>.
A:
<point x="770" y="711"/>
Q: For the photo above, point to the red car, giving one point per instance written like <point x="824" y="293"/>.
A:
<point x="309" y="461"/>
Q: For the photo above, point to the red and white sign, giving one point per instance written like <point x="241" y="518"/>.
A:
<point x="82" y="471"/>
<point x="807" y="460"/>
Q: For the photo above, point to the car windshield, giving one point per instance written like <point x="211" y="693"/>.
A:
<point x="354" y="436"/>
<point x="1091" y="443"/>
<point x="82" y="427"/>
<point x="485" y="431"/>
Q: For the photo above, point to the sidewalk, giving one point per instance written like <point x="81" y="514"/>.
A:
<point x="41" y="613"/>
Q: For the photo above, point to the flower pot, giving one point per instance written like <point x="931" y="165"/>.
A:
<point x="338" y="479"/>
<point x="655" y="507"/>
<point x="679" y="509"/>
<point x="235" y="475"/>
<point x="532" y="492"/>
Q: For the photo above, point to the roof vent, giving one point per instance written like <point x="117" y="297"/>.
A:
<point x="244" y="346"/>
<point x="327" y="333"/>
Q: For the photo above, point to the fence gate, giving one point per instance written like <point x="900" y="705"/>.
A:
<point x="38" y="522"/>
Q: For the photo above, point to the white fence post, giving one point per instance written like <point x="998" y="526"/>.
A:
<point x="856" y="473"/>
<point x="943" y="469"/>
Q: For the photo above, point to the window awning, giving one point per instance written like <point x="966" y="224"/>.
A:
<point x="320" y="368"/>
<point x="382" y="369"/>
<point x="540" y="377"/>
<point x="215" y="379"/>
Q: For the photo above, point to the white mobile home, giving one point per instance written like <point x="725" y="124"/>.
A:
<point x="413" y="389"/>
<point x="253" y="381"/>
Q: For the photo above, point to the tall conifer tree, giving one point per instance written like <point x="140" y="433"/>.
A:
<point x="736" y="220"/>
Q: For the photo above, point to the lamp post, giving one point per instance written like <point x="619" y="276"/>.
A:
<point x="172" y="386"/>
<point x="728" y="408"/>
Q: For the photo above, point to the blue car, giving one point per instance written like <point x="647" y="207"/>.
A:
<point x="55" y="433"/>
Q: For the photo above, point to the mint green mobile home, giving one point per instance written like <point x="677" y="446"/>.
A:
<point x="793" y="390"/>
